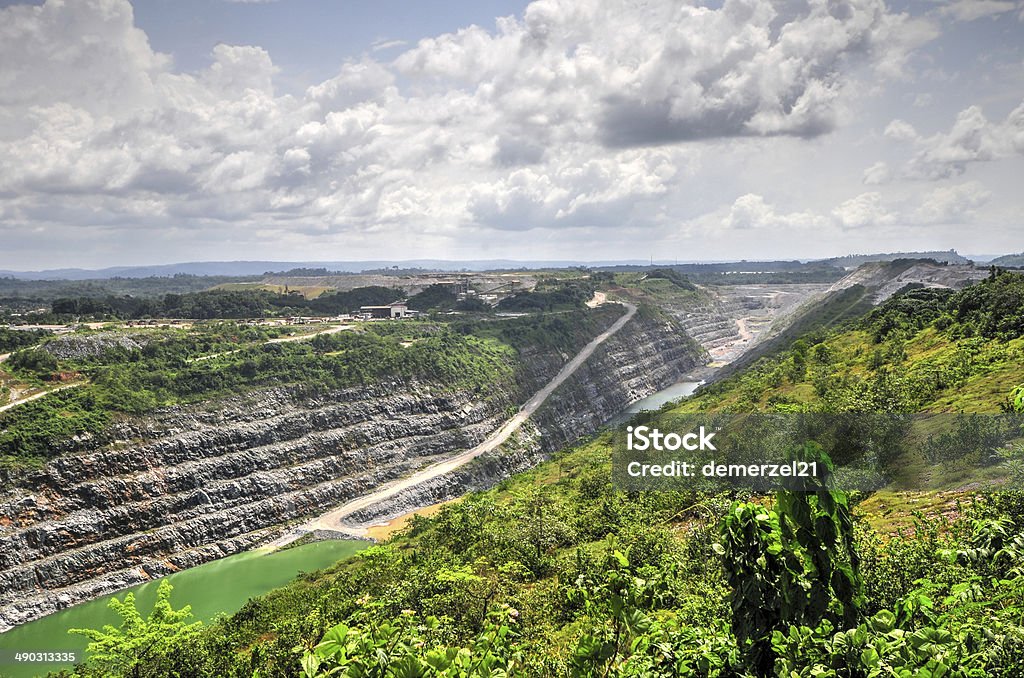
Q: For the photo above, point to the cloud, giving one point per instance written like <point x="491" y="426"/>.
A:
<point x="900" y="130"/>
<point x="380" y="45"/>
<point x="879" y="173"/>
<point x="672" y="72"/>
<point x="972" y="138"/>
<point x="578" y="114"/>
<point x="864" y="211"/>
<point x="971" y="10"/>
<point x="751" y="211"/>
<point x="951" y="204"/>
<point x="578" y="192"/>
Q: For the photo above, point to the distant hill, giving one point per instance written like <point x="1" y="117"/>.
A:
<point x="258" y="268"/>
<point x="703" y="267"/>
<point x="855" y="260"/>
<point x="1010" y="260"/>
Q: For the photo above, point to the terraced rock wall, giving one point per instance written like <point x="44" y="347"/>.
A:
<point x="189" y="485"/>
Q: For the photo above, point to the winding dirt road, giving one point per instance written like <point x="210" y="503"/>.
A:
<point x="334" y="520"/>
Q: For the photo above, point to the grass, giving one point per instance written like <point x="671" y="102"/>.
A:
<point x="307" y="291"/>
<point x="892" y="513"/>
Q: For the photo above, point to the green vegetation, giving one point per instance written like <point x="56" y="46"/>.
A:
<point x="200" y="305"/>
<point x="835" y="310"/>
<point x="993" y="309"/>
<point x="673" y="276"/>
<point x="559" y="572"/>
<point x="31" y="295"/>
<point x="33" y="363"/>
<point x="795" y="565"/>
<point x="744" y="272"/>
<point x="558" y="331"/>
<point x="551" y="294"/>
<point x="223" y="303"/>
<point x="660" y="287"/>
<point x="1011" y="260"/>
<point x="435" y="297"/>
<point x="473" y="305"/>
<point x="12" y="340"/>
<point x="158" y="375"/>
<point x="152" y="642"/>
<point x="350" y="301"/>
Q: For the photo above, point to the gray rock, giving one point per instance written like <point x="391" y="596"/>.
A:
<point x="191" y="484"/>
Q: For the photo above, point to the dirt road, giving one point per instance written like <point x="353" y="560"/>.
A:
<point x="36" y="396"/>
<point x="303" y="337"/>
<point x="279" y="340"/>
<point x="334" y="520"/>
<point x="741" y="327"/>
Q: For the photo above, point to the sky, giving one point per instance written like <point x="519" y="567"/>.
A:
<point x="162" y="131"/>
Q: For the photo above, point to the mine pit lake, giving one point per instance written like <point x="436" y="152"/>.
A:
<point x="682" y="389"/>
<point x="221" y="586"/>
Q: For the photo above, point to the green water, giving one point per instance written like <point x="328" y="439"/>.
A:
<point x="220" y="586"/>
<point x="677" y="391"/>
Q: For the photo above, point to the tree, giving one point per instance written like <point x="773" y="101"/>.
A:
<point x="138" y="642"/>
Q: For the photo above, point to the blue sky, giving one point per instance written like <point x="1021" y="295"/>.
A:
<point x="309" y="39"/>
<point x="161" y="131"/>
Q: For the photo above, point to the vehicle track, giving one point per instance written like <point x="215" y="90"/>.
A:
<point x="334" y="520"/>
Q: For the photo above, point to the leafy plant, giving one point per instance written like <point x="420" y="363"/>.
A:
<point x="140" y="646"/>
<point x="408" y="648"/>
<point x="794" y="565"/>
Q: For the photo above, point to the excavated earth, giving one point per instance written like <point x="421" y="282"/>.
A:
<point x="191" y="484"/>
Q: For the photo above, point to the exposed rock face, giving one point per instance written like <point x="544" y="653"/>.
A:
<point x="885" y="280"/>
<point x="736" y="317"/>
<point x="73" y="347"/>
<point x="637" y="362"/>
<point x="633" y="364"/>
<point x="189" y="485"/>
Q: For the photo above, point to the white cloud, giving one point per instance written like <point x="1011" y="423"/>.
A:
<point x="971" y="10"/>
<point x="381" y="45"/>
<point x="879" y="173"/>
<point x="951" y="204"/>
<point x="900" y="130"/>
<point x="864" y="211"/>
<point x="972" y="138"/>
<point x="237" y="69"/>
<point x="576" y="192"/>
<point x="752" y="211"/>
<point x="579" y="114"/>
